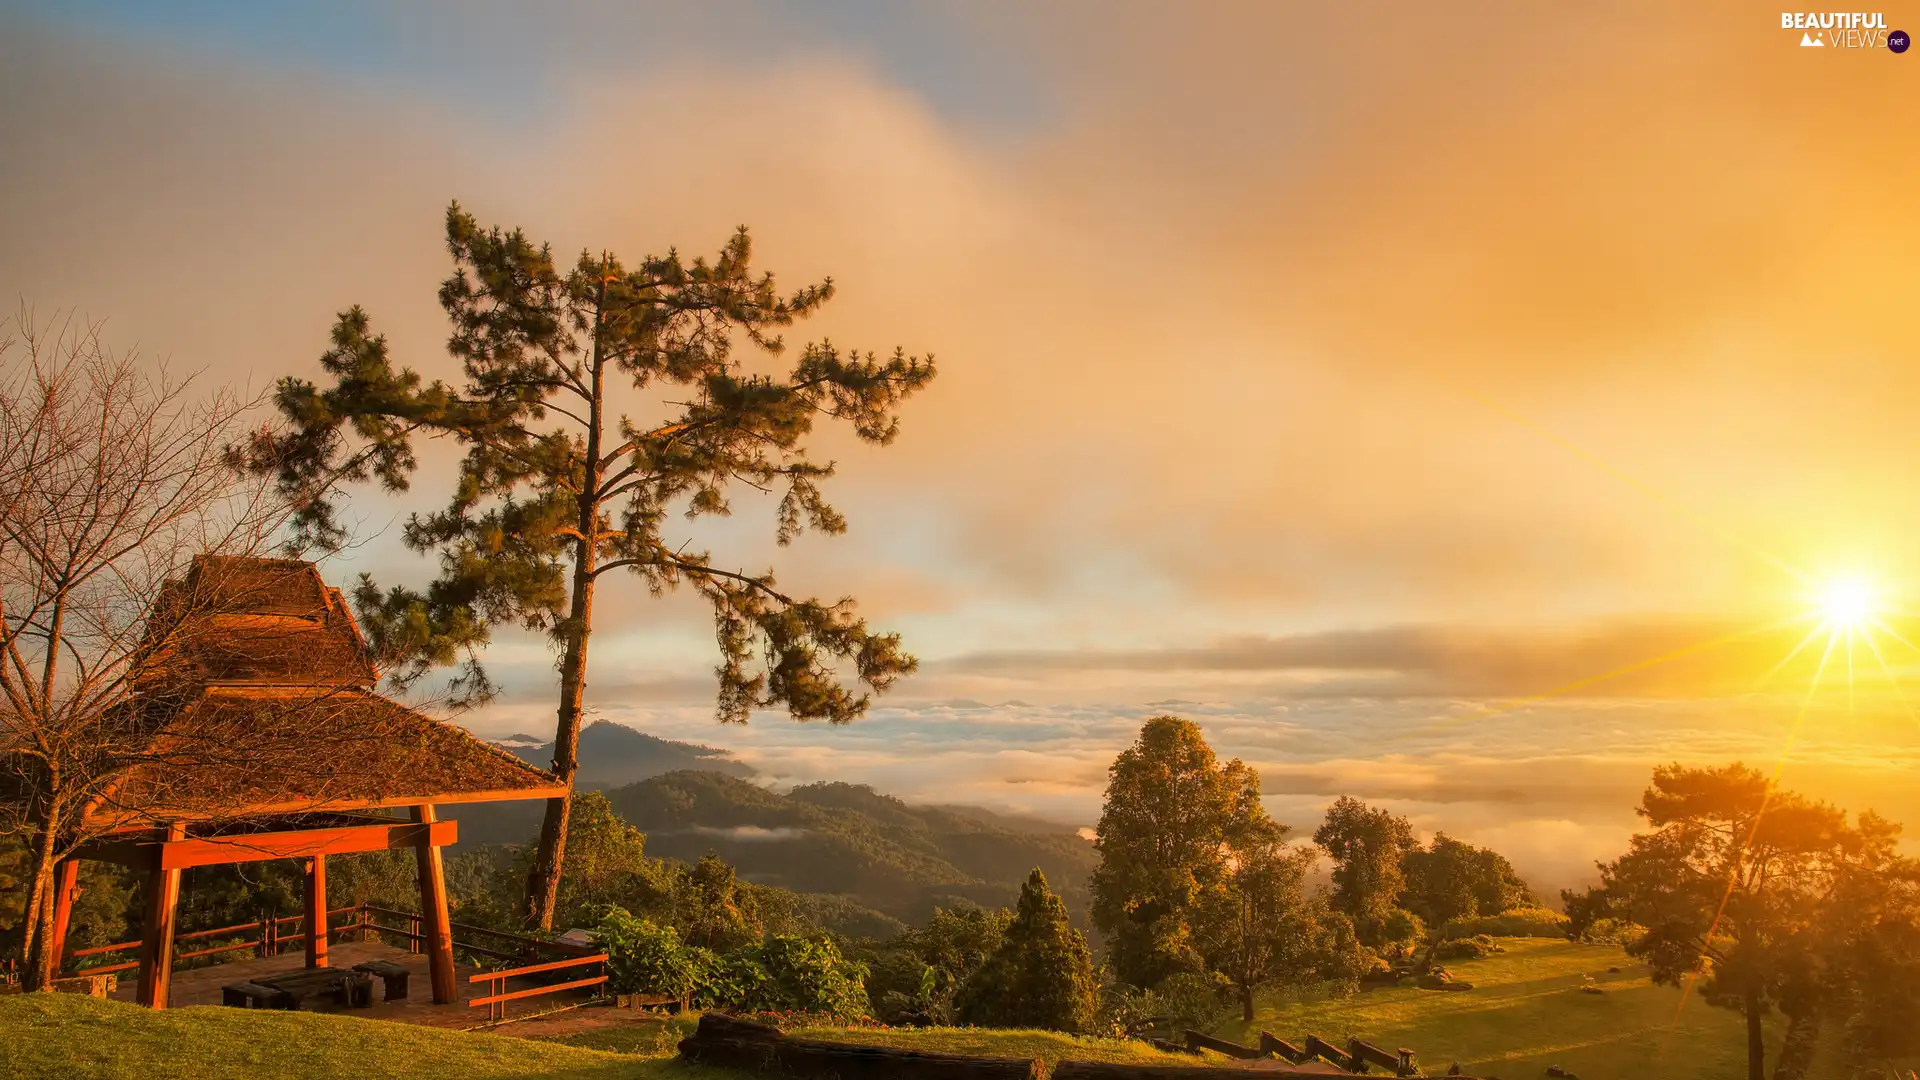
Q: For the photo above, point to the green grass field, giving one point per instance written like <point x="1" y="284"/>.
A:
<point x="1525" y="1013"/>
<point x="68" y="1037"/>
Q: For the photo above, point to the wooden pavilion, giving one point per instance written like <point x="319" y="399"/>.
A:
<point x="262" y="658"/>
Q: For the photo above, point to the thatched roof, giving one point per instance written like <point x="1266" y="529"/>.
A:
<point x="263" y="621"/>
<point x="267" y="706"/>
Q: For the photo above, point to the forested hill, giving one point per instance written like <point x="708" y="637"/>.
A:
<point x="850" y="840"/>
<point x="613" y="754"/>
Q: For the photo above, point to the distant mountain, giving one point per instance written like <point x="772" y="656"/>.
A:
<point x="613" y="754"/>
<point x="610" y="755"/>
<point x="1024" y="823"/>
<point x="850" y="841"/>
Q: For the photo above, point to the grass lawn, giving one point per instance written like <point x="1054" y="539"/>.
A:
<point x="69" y="1037"/>
<point x="1526" y="1012"/>
<point x="1049" y="1046"/>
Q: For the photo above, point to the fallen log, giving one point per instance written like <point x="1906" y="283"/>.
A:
<point x="740" y="1044"/>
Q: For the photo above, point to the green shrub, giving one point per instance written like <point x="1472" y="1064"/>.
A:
<point x="794" y="974"/>
<point x="1477" y="947"/>
<point x="1520" y="922"/>
<point x="1611" y="931"/>
<point x="646" y="958"/>
<point x="1399" y="929"/>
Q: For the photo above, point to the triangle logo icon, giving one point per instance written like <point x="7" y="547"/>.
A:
<point x="1808" y="41"/>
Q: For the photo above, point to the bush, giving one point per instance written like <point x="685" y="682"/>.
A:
<point x="1477" y="947"/>
<point x="1400" y="929"/>
<point x="1612" y="932"/>
<point x="795" y="974"/>
<point x="1201" y="1001"/>
<point x="1520" y="922"/>
<point x="644" y="957"/>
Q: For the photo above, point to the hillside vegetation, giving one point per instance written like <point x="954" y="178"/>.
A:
<point x="849" y="840"/>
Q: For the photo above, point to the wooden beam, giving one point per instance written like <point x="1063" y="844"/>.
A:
<point x="65" y="874"/>
<point x="156" y="936"/>
<point x="128" y="818"/>
<point x="184" y="854"/>
<point x="436" y="923"/>
<point x="317" y="912"/>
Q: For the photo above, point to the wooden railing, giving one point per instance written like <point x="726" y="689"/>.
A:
<point x="498" y="995"/>
<point x="266" y="938"/>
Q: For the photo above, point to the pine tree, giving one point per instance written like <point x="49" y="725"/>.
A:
<point x="1042" y="974"/>
<point x="560" y="487"/>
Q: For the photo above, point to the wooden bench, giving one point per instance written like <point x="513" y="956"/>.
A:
<point x="392" y="974"/>
<point x="251" y="995"/>
<point x="353" y="989"/>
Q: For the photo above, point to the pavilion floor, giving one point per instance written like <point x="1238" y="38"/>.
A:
<point x="201" y="986"/>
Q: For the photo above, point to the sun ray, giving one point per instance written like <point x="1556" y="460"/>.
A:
<point x="1788" y="659"/>
<point x="1894" y="634"/>
<point x="1899" y="691"/>
<point x="1634" y="482"/>
<point x="1591" y="680"/>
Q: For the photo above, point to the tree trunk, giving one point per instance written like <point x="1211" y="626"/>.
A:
<point x="36" y="930"/>
<point x="1796" y="1052"/>
<point x="543" y="880"/>
<point x="1246" y="1004"/>
<point x="1756" y="1044"/>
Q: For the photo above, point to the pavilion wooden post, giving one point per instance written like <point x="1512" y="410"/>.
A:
<point x="317" y="911"/>
<point x="436" y="923"/>
<point x="156" y="937"/>
<point x="64" y="877"/>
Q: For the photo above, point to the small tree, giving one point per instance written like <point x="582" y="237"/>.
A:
<point x="1450" y="879"/>
<point x="1173" y="815"/>
<point x="567" y="480"/>
<point x="1367" y="845"/>
<point x="1042" y="974"/>
<point x="712" y="908"/>
<point x="1254" y="927"/>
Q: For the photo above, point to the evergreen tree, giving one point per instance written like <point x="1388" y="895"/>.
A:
<point x="1042" y="974"/>
<point x="1367" y="845"/>
<point x="1173" y="816"/>
<point x="596" y="401"/>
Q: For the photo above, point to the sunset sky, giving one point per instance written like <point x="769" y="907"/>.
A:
<point x="1331" y="375"/>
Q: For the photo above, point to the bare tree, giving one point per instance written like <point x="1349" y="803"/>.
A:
<point x="112" y="482"/>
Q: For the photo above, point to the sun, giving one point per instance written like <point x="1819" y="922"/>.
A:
<point x="1848" y="603"/>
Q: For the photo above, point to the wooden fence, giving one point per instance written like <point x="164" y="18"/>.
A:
<point x="263" y="937"/>
<point x="270" y="936"/>
<point x="498" y="995"/>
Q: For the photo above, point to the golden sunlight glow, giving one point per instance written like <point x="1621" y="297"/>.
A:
<point x="1848" y="603"/>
